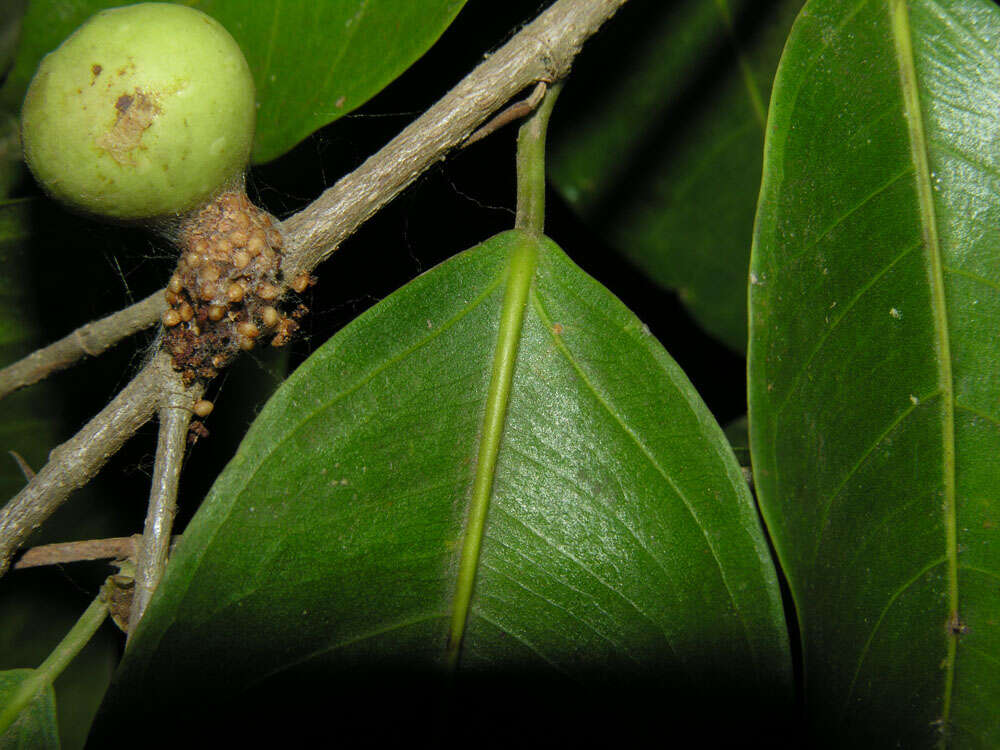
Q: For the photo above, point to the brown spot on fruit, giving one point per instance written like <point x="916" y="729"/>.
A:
<point x="123" y="104"/>
<point x="95" y="69"/>
<point x="136" y="112"/>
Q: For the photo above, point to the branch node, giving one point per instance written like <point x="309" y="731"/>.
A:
<point x="515" y="111"/>
<point x="28" y="472"/>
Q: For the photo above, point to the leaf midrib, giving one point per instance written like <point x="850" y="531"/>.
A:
<point x="903" y="42"/>
<point x="520" y="273"/>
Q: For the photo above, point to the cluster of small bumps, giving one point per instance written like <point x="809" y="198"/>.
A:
<point x="224" y="295"/>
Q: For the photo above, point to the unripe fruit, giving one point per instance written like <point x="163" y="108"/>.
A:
<point x="144" y="112"/>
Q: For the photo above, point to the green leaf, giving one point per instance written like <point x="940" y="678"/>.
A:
<point x="312" y="62"/>
<point x="504" y="390"/>
<point x="35" y="728"/>
<point x="660" y="151"/>
<point x="875" y="365"/>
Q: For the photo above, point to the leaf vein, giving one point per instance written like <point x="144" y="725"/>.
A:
<point x="614" y="591"/>
<point x="577" y="618"/>
<point x="943" y="560"/>
<point x="524" y="641"/>
<point x="909" y="85"/>
<point x="863" y="458"/>
<point x="995" y="286"/>
<point x="402" y="624"/>
<point x="648" y="455"/>
<point x="875" y="193"/>
<point x="821" y="342"/>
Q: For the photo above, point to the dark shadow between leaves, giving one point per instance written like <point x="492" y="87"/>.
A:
<point x="370" y="704"/>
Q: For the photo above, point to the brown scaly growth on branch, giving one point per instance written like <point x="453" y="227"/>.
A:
<point x="226" y="293"/>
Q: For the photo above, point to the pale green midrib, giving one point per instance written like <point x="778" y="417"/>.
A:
<point x="903" y="41"/>
<point x="753" y="92"/>
<point x="346" y="643"/>
<point x="520" y="272"/>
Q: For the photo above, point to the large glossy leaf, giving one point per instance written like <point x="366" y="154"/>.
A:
<point x="35" y="728"/>
<point x="618" y="541"/>
<point x="661" y="150"/>
<point x="875" y="365"/>
<point x="312" y="61"/>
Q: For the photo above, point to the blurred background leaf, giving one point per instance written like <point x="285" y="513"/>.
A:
<point x="37" y="607"/>
<point x="657" y="143"/>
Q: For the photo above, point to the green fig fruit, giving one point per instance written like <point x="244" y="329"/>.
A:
<point x="144" y="112"/>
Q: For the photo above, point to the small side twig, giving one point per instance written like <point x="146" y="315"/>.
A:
<point x="28" y="472"/>
<point x="175" y="416"/>
<point x="76" y="461"/>
<point x="515" y="111"/>
<point x="113" y="548"/>
<point x="88" y="340"/>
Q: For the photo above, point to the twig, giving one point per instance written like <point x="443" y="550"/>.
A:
<point x="515" y="111"/>
<point x="28" y="472"/>
<point x="88" y="340"/>
<point x="542" y="51"/>
<point x="175" y="416"/>
<point x="76" y="461"/>
<point x="118" y="547"/>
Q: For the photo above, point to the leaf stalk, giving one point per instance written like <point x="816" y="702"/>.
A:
<point x="531" y="165"/>
<point x="47" y="672"/>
